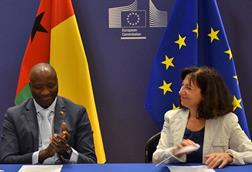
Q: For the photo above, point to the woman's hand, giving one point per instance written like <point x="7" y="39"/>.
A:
<point x="185" y="142"/>
<point x="219" y="160"/>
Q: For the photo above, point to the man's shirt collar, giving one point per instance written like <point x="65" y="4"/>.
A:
<point x="51" y="107"/>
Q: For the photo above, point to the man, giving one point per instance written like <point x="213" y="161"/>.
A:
<point x="46" y="128"/>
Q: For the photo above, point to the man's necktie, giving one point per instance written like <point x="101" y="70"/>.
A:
<point x="46" y="133"/>
<point x="45" y="128"/>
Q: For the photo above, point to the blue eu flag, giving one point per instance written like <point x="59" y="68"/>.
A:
<point x="194" y="36"/>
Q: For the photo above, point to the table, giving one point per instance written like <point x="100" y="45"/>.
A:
<point x="122" y="168"/>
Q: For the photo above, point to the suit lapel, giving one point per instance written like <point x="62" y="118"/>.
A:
<point x="179" y="126"/>
<point x="60" y="114"/>
<point x="32" y="122"/>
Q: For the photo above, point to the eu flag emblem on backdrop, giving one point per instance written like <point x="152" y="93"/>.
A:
<point x="133" y="18"/>
<point x="194" y="36"/>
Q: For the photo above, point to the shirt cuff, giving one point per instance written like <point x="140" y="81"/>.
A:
<point x="74" y="156"/>
<point x="35" y="157"/>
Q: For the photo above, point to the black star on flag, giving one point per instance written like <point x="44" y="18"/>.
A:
<point x="37" y="27"/>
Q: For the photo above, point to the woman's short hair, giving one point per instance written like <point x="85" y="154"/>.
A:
<point x="216" y="98"/>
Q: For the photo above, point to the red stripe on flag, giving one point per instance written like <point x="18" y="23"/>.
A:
<point x="38" y="48"/>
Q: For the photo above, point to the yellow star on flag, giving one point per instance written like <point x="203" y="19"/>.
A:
<point x="214" y="35"/>
<point x="181" y="41"/>
<point x="174" y="107"/>
<point x="235" y="77"/>
<point x="166" y="87"/>
<point x="229" y="52"/>
<point x="236" y="103"/>
<point x="196" y="30"/>
<point x="168" y="62"/>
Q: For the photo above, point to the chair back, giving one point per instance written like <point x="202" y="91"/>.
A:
<point x="151" y="146"/>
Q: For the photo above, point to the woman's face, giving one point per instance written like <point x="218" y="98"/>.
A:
<point x="190" y="94"/>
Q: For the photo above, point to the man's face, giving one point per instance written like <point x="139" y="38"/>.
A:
<point x="44" y="87"/>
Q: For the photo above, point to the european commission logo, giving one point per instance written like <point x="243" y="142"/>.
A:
<point x="133" y="21"/>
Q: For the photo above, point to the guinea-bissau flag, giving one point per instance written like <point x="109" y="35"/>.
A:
<point x="55" y="39"/>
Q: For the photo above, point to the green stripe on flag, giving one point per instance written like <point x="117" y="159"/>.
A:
<point x="23" y="95"/>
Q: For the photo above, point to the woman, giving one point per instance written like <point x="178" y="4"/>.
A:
<point x="205" y="118"/>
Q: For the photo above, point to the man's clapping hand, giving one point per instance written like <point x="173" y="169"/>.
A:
<point x="58" y="144"/>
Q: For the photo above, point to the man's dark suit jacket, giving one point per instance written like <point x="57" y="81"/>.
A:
<point x="20" y="134"/>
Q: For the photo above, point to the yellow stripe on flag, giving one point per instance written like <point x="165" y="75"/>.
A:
<point x="68" y="57"/>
